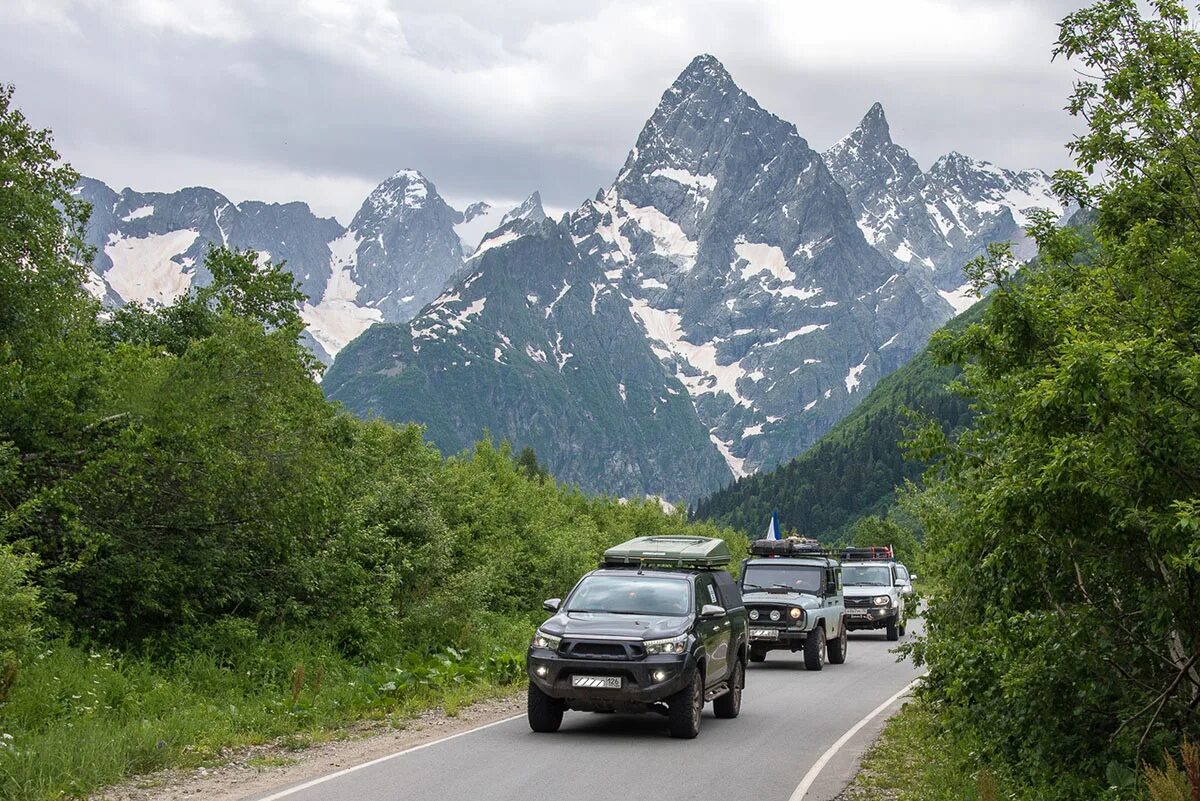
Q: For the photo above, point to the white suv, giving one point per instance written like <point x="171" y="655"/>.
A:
<point x="874" y="591"/>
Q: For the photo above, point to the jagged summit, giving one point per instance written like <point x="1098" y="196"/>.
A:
<point x="704" y="83"/>
<point x="874" y="127"/>
<point x="704" y="68"/>
<point x="530" y="209"/>
<point x="933" y="221"/>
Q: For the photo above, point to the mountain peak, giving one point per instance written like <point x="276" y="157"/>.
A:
<point x="703" y="77"/>
<point x="530" y="209"/>
<point x="705" y="67"/>
<point x="402" y="190"/>
<point x="873" y="131"/>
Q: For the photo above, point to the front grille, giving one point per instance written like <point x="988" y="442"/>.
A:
<point x="764" y="616"/>
<point x="859" y="602"/>
<point x="583" y="649"/>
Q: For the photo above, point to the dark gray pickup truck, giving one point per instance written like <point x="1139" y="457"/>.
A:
<point x="660" y="628"/>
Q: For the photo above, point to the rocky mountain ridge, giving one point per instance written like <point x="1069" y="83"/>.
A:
<point x="726" y="300"/>
<point x="398" y="252"/>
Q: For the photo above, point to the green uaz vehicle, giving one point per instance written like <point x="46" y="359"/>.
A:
<point x="793" y="593"/>
<point x="659" y="628"/>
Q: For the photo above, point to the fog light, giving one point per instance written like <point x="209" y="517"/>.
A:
<point x="775" y="614"/>
<point x="659" y="675"/>
<point x="542" y="670"/>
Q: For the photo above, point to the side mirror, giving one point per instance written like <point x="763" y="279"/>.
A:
<point x="551" y="604"/>
<point x="913" y="577"/>
<point x="712" y="612"/>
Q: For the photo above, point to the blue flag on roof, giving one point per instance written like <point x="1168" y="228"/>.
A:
<point x="773" y="529"/>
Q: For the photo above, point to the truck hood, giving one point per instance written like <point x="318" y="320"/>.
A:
<point x="801" y="599"/>
<point x="867" y="592"/>
<point x="600" y="624"/>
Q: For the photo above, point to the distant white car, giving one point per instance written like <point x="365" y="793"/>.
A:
<point x="907" y="593"/>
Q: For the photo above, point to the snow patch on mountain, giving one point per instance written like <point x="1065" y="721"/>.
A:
<point x="962" y="298"/>
<point x="150" y="269"/>
<point x="763" y="258"/>
<point x="667" y="339"/>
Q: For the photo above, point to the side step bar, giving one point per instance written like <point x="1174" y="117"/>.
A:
<point x="716" y="690"/>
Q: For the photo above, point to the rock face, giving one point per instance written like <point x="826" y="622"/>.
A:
<point x="534" y="344"/>
<point x="719" y="290"/>
<point x="741" y="258"/>
<point x="935" y="222"/>
<point x="399" y="252"/>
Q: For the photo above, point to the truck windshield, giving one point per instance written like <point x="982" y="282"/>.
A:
<point x="866" y="575"/>
<point x="797" y="578"/>
<point x="631" y="595"/>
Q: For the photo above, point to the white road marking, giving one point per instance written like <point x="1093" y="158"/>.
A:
<point x="819" y="765"/>
<point x="340" y="773"/>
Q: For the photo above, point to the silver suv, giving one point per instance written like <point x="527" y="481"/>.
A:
<point x="874" y="591"/>
<point x="793" y="593"/>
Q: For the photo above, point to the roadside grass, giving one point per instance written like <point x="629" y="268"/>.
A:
<point x="915" y="760"/>
<point x="78" y="719"/>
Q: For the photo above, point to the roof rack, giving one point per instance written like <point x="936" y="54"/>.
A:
<point x="867" y="553"/>
<point x="791" y="546"/>
<point x="677" y="552"/>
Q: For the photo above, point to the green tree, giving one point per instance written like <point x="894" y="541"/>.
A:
<point x="1064" y="528"/>
<point x="528" y="462"/>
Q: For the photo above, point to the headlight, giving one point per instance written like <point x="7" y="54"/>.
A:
<point x="674" y="645"/>
<point x="775" y="614"/>
<point x="881" y="600"/>
<point x="795" y="613"/>
<point x="548" y="641"/>
<point x="754" y="614"/>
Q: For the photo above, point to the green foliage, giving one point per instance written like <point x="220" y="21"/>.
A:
<point x="20" y="607"/>
<point x="875" y="530"/>
<point x="1061" y="529"/>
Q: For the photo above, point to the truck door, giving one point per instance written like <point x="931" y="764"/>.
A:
<point x="717" y="633"/>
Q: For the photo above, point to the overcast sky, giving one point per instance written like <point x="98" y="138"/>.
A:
<point x="318" y="100"/>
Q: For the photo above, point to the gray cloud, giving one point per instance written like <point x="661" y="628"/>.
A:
<point x="316" y="101"/>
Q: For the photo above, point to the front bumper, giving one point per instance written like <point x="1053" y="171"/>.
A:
<point x="638" y="685"/>
<point x="871" y="617"/>
<point x="783" y="639"/>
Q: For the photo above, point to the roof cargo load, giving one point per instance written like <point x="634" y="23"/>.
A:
<point x="688" y="552"/>
<point x="792" y="546"/>
<point x="867" y="554"/>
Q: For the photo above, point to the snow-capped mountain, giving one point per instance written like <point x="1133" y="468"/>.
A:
<point x="935" y="221"/>
<point x="534" y="344"/>
<point x="726" y="245"/>
<point x="398" y="253"/>
<point x="717" y="308"/>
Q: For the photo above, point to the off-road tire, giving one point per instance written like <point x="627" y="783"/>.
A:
<point x="893" y="630"/>
<point x="758" y="654"/>
<point x="684" y="708"/>
<point x="837" y="648"/>
<point x="814" y="649"/>
<point x="545" y="713"/>
<point x="730" y="704"/>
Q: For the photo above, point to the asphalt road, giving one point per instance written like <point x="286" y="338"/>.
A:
<point x="789" y="719"/>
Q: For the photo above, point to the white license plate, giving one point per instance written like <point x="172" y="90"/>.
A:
<point x="597" y="682"/>
<point x="764" y="634"/>
<point x="856" y="612"/>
